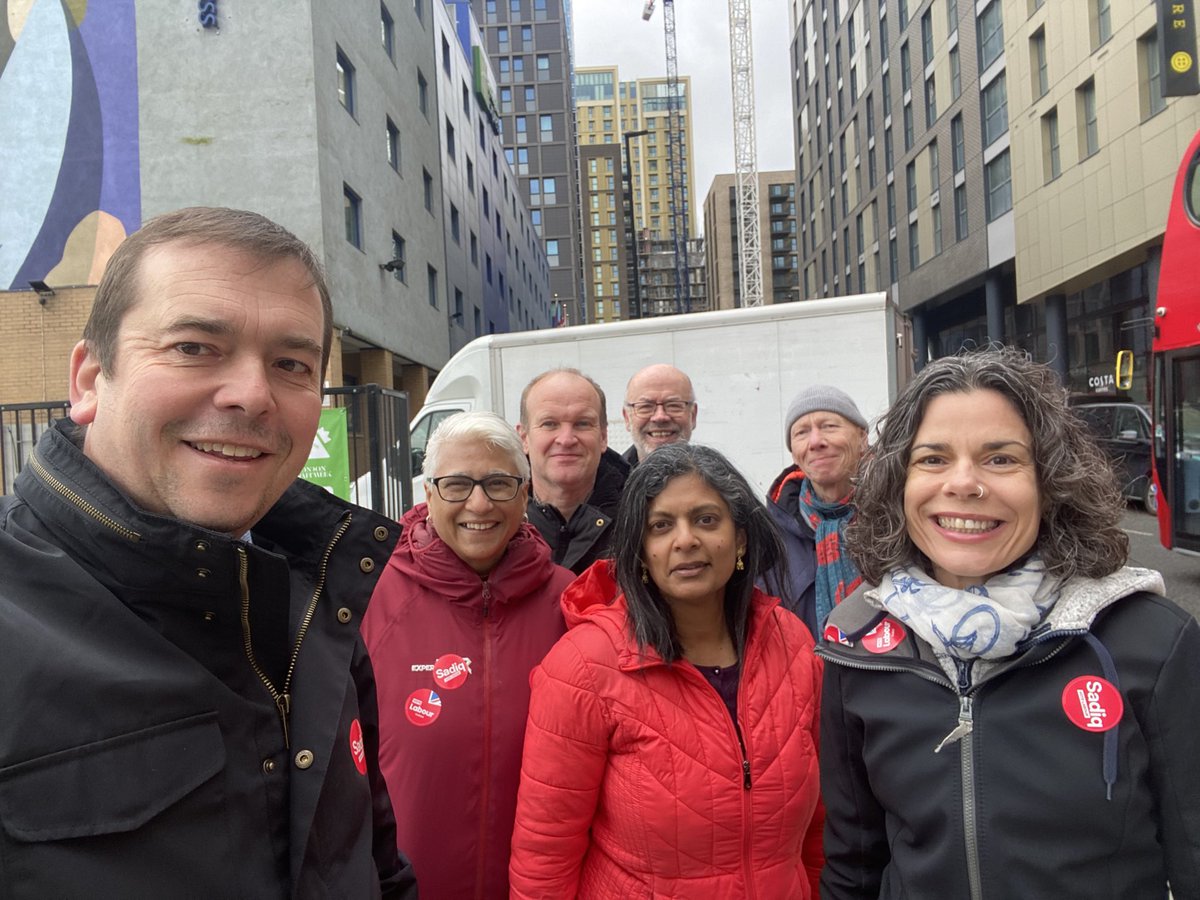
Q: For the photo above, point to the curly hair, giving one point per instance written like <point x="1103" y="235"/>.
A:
<point x="1081" y="503"/>
<point x="650" y="621"/>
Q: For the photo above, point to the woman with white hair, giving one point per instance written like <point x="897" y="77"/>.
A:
<point x="467" y="607"/>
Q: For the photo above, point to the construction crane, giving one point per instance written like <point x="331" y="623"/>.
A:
<point x="745" y="148"/>
<point x="679" y="229"/>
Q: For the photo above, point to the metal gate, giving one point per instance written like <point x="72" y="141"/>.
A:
<point x="377" y="432"/>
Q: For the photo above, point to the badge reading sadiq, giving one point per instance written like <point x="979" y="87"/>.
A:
<point x="1091" y="703"/>
<point x="451" y="671"/>
<point x="356" y="748"/>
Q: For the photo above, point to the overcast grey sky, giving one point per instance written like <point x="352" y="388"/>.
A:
<point x="611" y="32"/>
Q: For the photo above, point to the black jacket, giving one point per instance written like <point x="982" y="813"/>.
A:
<point x="142" y="753"/>
<point x="577" y="544"/>
<point x="1018" y="805"/>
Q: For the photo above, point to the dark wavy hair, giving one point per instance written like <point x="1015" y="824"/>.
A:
<point x="650" y="621"/>
<point x="1079" y="532"/>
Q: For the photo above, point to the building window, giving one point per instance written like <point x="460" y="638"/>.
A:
<point x="506" y="103"/>
<point x="428" y="183"/>
<point x="910" y="183"/>
<point x="454" y="225"/>
<point x="521" y="127"/>
<point x="960" y="212"/>
<point x="995" y="109"/>
<point x="432" y="279"/>
<point x="451" y="144"/>
<point x="458" y="304"/>
<point x="1037" y="64"/>
<point x="352" y="210"/>
<point x="419" y="9"/>
<point x="398" y="263"/>
<point x="543" y="67"/>
<point x="393" y="145"/>
<point x="552" y="253"/>
<point x="958" y="150"/>
<point x="905" y="68"/>
<point x="422" y="94"/>
<point x="445" y="55"/>
<point x="893" y="261"/>
<point x="891" y="205"/>
<point x="1150" y="67"/>
<point x="935" y="167"/>
<point x="1085" y="111"/>
<point x="889" y="151"/>
<point x="903" y="14"/>
<point x="955" y="74"/>
<point x="546" y="127"/>
<point x="345" y="81"/>
<point x="914" y="246"/>
<point x="930" y="102"/>
<point x="951" y="16"/>
<point x="997" y="180"/>
<point x="1100" y="21"/>
<point x="927" y="37"/>
<point x="470" y="175"/>
<point x="1051" y="157"/>
<point x="387" y="30"/>
<point x="908" y="127"/>
<point x="991" y="35"/>
<point x="937" y="230"/>
<point x="549" y="191"/>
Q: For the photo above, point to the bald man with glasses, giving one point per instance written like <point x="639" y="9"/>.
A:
<point x="660" y="408"/>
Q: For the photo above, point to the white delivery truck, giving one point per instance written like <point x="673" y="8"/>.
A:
<point x="745" y="365"/>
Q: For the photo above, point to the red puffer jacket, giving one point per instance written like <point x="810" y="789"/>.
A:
<point x="452" y="654"/>
<point x="633" y="782"/>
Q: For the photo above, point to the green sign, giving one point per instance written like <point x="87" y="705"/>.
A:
<point x="329" y="460"/>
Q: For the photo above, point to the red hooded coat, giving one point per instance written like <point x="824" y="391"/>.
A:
<point x="634" y="782"/>
<point x="452" y="654"/>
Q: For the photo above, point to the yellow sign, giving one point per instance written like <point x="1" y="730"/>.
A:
<point x="1181" y="61"/>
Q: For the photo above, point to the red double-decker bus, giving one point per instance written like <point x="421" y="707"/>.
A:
<point x="1176" y="364"/>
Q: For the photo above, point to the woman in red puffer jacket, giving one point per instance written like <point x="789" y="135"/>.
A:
<point x="671" y="749"/>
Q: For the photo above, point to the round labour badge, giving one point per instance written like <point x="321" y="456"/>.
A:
<point x="884" y="637"/>
<point x="356" y="747"/>
<point x="423" y="707"/>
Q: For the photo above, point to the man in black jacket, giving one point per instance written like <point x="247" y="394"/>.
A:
<point x="187" y="705"/>
<point x="576" y="480"/>
<point x="660" y="409"/>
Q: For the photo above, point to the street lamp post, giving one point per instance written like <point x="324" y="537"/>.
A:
<point x="636" y="309"/>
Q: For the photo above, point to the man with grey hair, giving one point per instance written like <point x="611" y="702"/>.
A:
<point x="810" y="501"/>
<point x="576" y="480"/>
<point x="187" y="704"/>
<point x="660" y="409"/>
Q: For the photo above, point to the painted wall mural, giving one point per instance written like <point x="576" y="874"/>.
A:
<point x="70" y="187"/>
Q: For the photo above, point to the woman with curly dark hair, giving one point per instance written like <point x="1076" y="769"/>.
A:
<point x="671" y="745"/>
<point x="1008" y="709"/>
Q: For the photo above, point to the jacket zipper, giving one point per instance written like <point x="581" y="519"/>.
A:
<point x="485" y="800"/>
<point x="747" y="800"/>
<point x="282" y="696"/>
<point x="77" y="500"/>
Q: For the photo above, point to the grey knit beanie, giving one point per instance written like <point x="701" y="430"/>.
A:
<point x="823" y="398"/>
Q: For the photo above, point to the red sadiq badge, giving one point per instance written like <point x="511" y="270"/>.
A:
<point x="356" y="747"/>
<point x="884" y="637"/>
<point x="451" y="671"/>
<point x="1092" y="703"/>
<point x="423" y="707"/>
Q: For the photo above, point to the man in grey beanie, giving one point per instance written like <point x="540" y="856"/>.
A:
<point x="811" y="501"/>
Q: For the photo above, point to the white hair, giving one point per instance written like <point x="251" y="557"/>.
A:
<point x="476" y="425"/>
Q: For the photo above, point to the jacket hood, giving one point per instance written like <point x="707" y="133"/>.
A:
<point x="610" y="480"/>
<point x="430" y="562"/>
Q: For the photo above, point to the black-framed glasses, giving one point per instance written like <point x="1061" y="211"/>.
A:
<point x="644" y="409"/>
<point x="457" y="488"/>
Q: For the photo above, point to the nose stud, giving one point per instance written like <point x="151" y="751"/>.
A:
<point x="981" y="491"/>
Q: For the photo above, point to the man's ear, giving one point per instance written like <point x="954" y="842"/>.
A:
<point x="84" y="384"/>
<point x="524" y="437"/>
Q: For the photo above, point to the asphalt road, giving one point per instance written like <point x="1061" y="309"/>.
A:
<point x="1180" y="572"/>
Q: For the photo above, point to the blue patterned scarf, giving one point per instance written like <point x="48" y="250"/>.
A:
<point x="837" y="576"/>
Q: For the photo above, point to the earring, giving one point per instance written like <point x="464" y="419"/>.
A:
<point x="741" y="566"/>
<point x="645" y="575"/>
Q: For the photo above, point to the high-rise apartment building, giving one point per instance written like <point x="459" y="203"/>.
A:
<point x="529" y="44"/>
<point x="1002" y="167"/>
<point x="343" y="141"/>
<point x="608" y="111"/>
<point x="778" y="227"/>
